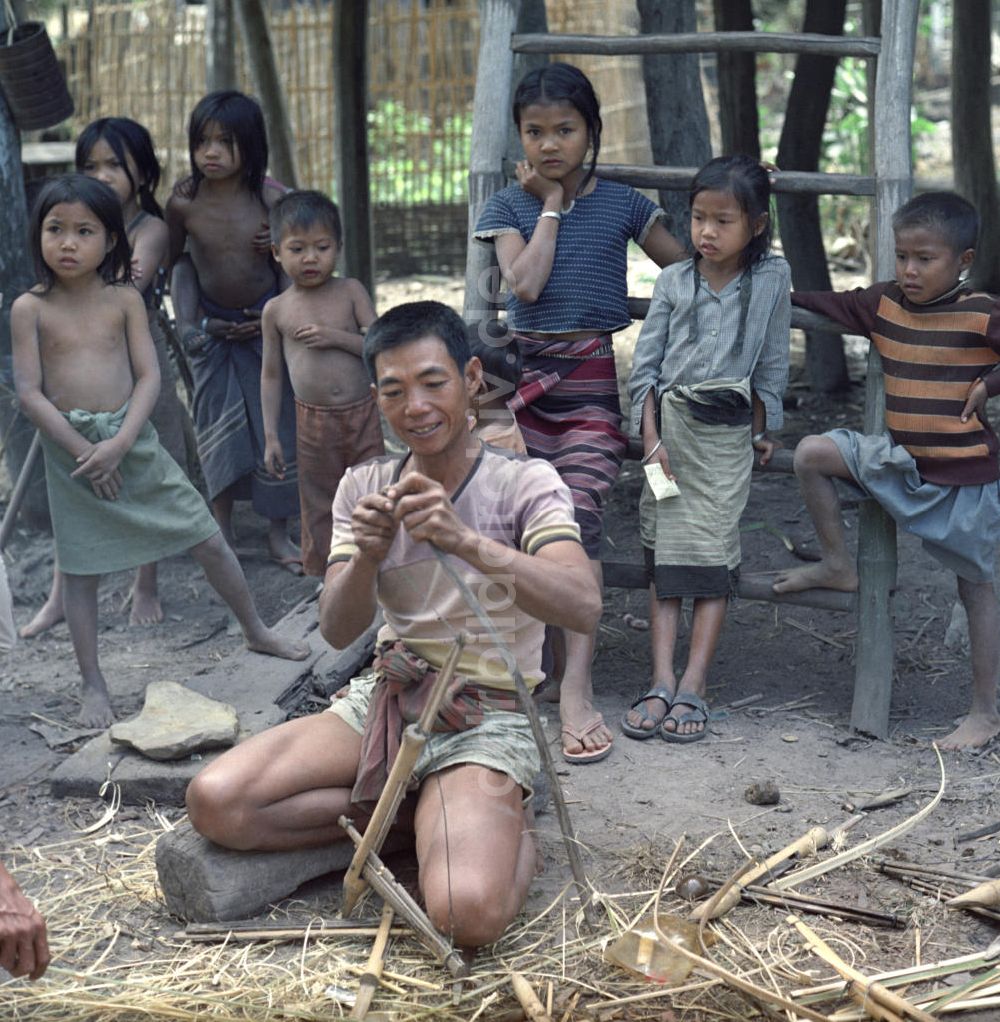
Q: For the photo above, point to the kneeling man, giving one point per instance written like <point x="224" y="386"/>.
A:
<point x="506" y="524"/>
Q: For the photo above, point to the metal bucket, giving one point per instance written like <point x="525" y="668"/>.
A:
<point x="31" y="79"/>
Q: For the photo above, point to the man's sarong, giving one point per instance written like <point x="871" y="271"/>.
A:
<point x="229" y="422"/>
<point x="330" y="438"/>
<point x="158" y="512"/>
<point x="568" y="410"/>
<point x="692" y="541"/>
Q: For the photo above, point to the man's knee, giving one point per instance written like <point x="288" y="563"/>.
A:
<point x="472" y="914"/>
<point x="215" y="809"/>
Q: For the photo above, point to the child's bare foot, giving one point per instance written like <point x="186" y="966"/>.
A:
<point x="271" y="644"/>
<point x="146" y="608"/>
<point x="95" y="705"/>
<point x="284" y="552"/>
<point x="822" y="575"/>
<point x="50" y="613"/>
<point x="975" y="730"/>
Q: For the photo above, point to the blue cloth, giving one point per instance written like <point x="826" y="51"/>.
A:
<point x="587" y="288"/>
<point x="958" y="525"/>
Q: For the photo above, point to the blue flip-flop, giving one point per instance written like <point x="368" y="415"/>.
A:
<point x="642" y="733"/>
<point x="699" y="714"/>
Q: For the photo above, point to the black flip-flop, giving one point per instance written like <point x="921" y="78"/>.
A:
<point x="640" y="733"/>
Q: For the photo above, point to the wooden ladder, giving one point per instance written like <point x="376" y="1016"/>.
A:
<point x="890" y="185"/>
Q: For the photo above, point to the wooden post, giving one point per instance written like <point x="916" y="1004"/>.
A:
<point x="260" y="56"/>
<point x="220" y="46"/>
<point x="350" y="46"/>
<point x="877" y="535"/>
<point x="491" y="109"/>
<point x="15" y="277"/>
<point x="531" y="19"/>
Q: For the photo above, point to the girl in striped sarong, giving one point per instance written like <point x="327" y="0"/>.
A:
<point x="561" y="238"/>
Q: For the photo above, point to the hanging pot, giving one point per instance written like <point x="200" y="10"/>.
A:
<point x="31" y="79"/>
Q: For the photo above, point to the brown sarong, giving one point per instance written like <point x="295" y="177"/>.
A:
<point x="403" y="685"/>
<point x="329" y="440"/>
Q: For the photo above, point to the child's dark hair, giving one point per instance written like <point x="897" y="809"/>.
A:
<point x="104" y="204"/>
<point x="491" y="342"/>
<point x="746" y="180"/>
<point x="239" y="115"/>
<point x="563" y="83"/>
<point x="943" y="213"/>
<point x="126" y="138"/>
<point x="411" y="322"/>
<point x="304" y="210"/>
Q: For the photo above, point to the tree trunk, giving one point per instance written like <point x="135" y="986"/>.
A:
<point x="350" y="46"/>
<point x="798" y="215"/>
<point x="971" y="132"/>
<point x="737" y="82"/>
<point x="15" y="277"/>
<point x="260" y="55"/>
<point x="675" y="106"/>
<point x="220" y="46"/>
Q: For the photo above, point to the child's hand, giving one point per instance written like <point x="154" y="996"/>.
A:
<point x="136" y="269"/>
<point x="975" y="400"/>
<point x="99" y="465"/>
<point x="262" y="239"/>
<point x="654" y="450"/>
<point x="274" y="459"/>
<point x="663" y="459"/>
<point x="765" y="447"/>
<point x="312" y="335"/>
<point x="534" y="184"/>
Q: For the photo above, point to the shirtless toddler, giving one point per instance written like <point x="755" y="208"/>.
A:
<point x="316" y="328"/>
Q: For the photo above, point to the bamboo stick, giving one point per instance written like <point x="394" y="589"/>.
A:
<point x="526" y="997"/>
<point x="369" y="981"/>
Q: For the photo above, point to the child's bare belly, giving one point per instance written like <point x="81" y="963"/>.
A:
<point x="90" y="391"/>
<point x="326" y="376"/>
<point x="236" y="280"/>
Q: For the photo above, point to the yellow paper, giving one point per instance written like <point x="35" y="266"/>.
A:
<point x="661" y="486"/>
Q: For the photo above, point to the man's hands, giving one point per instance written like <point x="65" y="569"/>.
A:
<point x="420" y="505"/>
<point x="99" y="465"/>
<point x="226" y="331"/>
<point x="24" y="949"/>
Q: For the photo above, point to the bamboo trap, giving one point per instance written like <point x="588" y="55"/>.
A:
<point x="212" y="933"/>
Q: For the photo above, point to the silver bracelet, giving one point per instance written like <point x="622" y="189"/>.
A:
<point x="758" y="437"/>
<point x="203" y="326"/>
<point x="550" y="213"/>
<point x="659" y="444"/>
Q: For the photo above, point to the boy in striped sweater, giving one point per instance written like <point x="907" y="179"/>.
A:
<point x="935" y="469"/>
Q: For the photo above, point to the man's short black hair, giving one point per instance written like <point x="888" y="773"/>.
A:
<point x="413" y="321"/>
<point x="303" y="210"/>
<point x="946" y="214"/>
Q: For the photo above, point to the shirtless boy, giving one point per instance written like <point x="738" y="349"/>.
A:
<point x="935" y="468"/>
<point x="221" y="212"/>
<point x="316" y="328"/>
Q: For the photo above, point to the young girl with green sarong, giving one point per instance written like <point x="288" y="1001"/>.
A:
<point x="86" y="375"/>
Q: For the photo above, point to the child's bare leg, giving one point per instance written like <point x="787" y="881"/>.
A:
<point x="706" y="627"/>
<point x="51" y="611"/>
<point x="222" y="511"/>
<point x="226" y="577"/>
<point x="80" y="602"/>
<point x="664" y="621"/>
<point x="817" y="463"/>
<point x="282" y="549"/>
<point x="145" y="597"/>
<point x="983" y="721"/>
<point x="576" y="692"/>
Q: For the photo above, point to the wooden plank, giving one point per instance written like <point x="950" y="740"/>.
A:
<point x="877" y="532"/>
<point x="490" y="114"/>
<point x="699" y="42"/>
<point x="622" y="575"/>
<point x="796" y="181"/>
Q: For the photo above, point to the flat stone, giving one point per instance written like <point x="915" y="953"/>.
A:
<point x="175" y="722"/>
<point x="205" y="883"/>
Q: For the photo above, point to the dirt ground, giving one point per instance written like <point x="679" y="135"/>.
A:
<point x="630" y="809"/>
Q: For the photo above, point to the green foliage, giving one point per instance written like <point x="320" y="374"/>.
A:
<point x="415" y="161"/>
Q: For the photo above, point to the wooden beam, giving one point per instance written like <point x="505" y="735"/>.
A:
<point x="220" y="45"/>
<point x="797" y="181"/>
<point x="490" y="116"/>
<point x="877" y="531"/>
<point x="350" y="72"/>
<point x="699" y="42"/>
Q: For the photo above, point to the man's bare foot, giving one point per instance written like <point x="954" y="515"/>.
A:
<point x="271" y="644"/>
<point x="95" y="708"/>
<point x="50" y="613"/>
<point x="975" y="730"/>
<point x="822" y="575"/>
<point x="146" y="608"/>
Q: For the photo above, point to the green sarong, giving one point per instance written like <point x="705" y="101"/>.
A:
<point x="158" y="513"/>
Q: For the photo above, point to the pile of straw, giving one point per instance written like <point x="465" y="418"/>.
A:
<point x="117" y="955"/>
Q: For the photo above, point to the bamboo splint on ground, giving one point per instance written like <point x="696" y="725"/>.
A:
<point x="413" y="741"/>
<point x="369" y="982"/>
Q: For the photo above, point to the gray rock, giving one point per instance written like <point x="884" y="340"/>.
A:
<point x="175" y="721"/>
